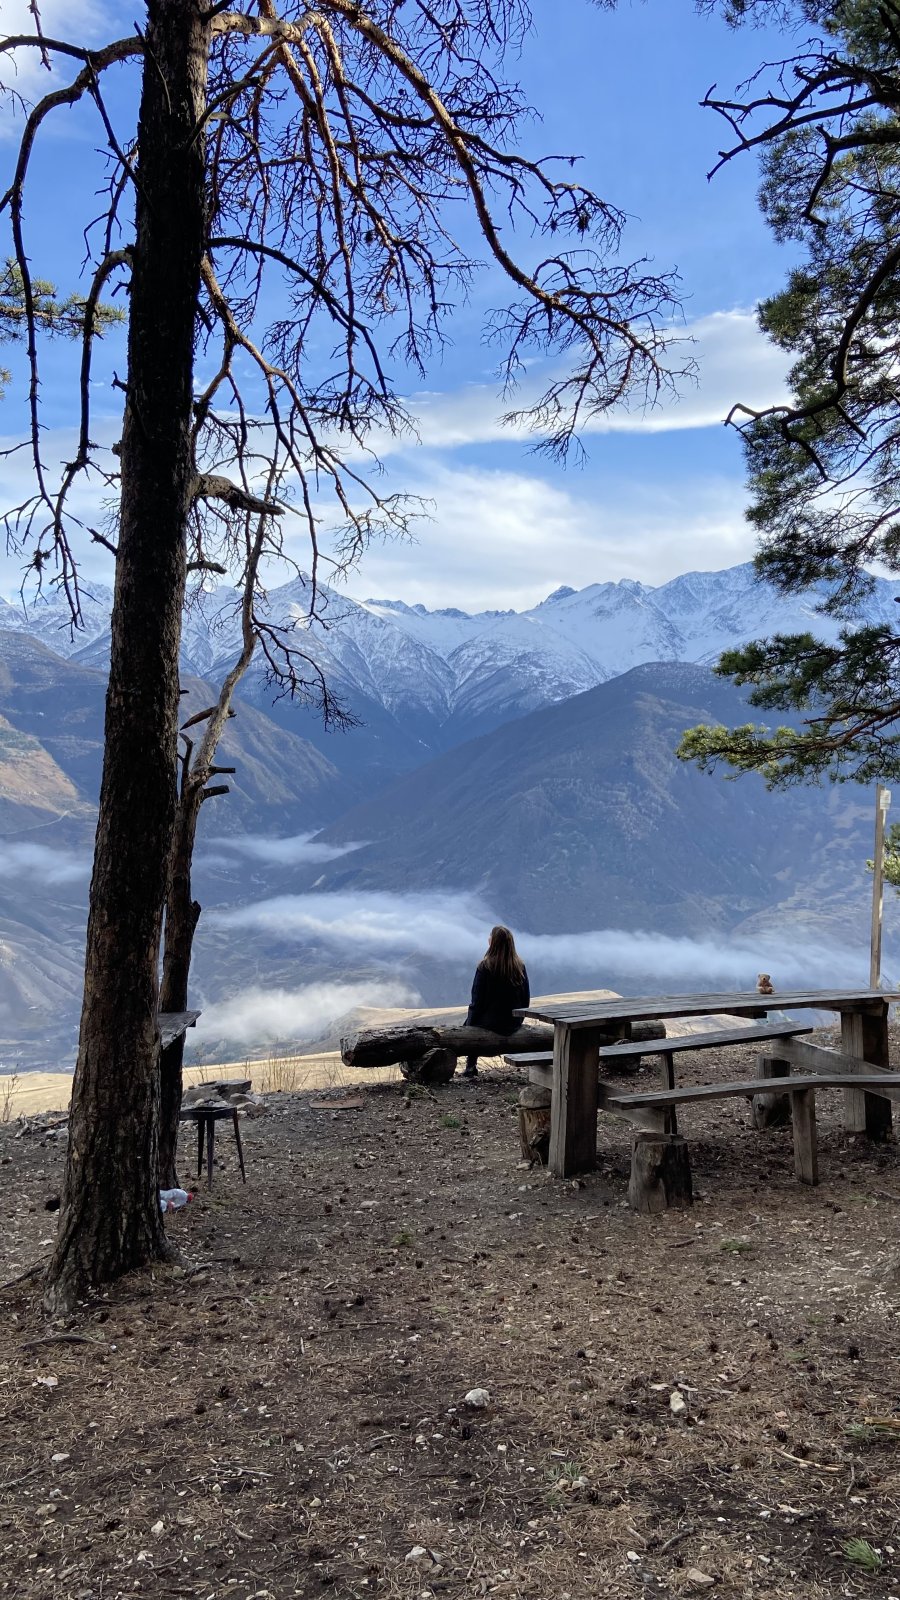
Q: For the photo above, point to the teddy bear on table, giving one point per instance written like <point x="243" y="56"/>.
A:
<point x="764" y="984"/>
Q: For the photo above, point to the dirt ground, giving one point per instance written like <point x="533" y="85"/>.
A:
<point x="285" y="1414"/>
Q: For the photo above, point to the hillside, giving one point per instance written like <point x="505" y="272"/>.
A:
<point x="56" y="706"/>
<point x="580" y="816"/>
<point x="422" y="681"/>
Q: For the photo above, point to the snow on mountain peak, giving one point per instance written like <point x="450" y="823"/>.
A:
<point x="448" y="673"/>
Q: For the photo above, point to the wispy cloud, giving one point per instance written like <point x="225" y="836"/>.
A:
<point x="448" y="926"/>
<point x="505" y="535"/>
<point x="257" y="1015"/>
<point x="86" y="22"/>
<point x="297" y="850"/>
<point x="735" y="362"/>
<point x="43" y="864"/>
<point x="453" y="928"/>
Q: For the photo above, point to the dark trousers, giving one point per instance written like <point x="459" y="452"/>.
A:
<point x="471" y="1065"/>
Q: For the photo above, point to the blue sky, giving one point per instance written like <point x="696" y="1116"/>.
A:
<point x="656" y="495"/>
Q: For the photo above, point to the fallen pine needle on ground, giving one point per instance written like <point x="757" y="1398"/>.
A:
<point x="285" y="1414"/>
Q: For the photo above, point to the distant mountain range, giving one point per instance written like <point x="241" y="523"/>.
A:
<point x="580" y="816"/>
<point x="424" y="681"/>
<point x="526" y="758"/>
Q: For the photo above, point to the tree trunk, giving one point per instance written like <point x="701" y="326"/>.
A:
<point x="110" y="1221"/>
<point x="182" y="916"/>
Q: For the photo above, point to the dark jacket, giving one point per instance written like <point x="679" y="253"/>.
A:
<point x="494" y="999"/>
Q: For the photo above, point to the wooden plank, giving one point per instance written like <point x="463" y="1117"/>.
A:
<point x="771" y="1110"/>
<point x="817" y="1058"/>
<point x="526" y="1058"/>
<point x="644" y="1007"/>
<point x="678" y="1043"/>
<point x="806" y="1148"/>
<point x="541" y="1073"/>
<point x="865" y="1037"/>
<point x="573" y="1120"/>
<point x="172" y="1024"/>
<point x="877" y="1082"/>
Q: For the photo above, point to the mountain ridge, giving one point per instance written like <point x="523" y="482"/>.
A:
<point x="421" y="681"/>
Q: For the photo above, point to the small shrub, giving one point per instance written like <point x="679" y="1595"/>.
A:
<point x="861" y="1433"/>
<point x="449" y="1121"/>
<point x="736" y="1247"/>
<point x="8" y="1091"/>
<point x="405" y="1239"/>
<point x="279" y="1075"/>
<point x="863" y="1555"/>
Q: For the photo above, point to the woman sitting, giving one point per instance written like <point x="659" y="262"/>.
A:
<point x="500" y="987"/>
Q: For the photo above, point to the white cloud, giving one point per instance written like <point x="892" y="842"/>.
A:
<point x="297" y="850"/>
<point x="42" y="863"/>
<point x="82" y="22"/>
<point x="735" y="363"/>
<point x="500" y="538"/>
<point x="453" y="928"/>
<point x="447" y="926"/>
<point x="504" y="536"/>
<point x="257" y="1015"/>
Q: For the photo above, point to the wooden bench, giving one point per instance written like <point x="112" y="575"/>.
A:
<point x="802" y="1092"/>
<point x="539" y="1063"/>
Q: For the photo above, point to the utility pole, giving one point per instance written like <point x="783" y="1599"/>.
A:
<point x="882" y="802"/>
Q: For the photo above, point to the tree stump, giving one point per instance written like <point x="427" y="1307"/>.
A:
<point x="660" y="1173"/>
<point x="534" y="1123"/>
<point x="771" y="1110"/>
<point x="435" y="1066"/>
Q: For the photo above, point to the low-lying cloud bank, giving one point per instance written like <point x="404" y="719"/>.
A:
<point x="257" y="1015"/>
<point x="454" y="928"/>
<point x="43" y="863"/>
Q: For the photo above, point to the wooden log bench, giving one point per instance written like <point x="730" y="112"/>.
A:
<point x="428" y="1053"/>
<point x="802" y="1091"/>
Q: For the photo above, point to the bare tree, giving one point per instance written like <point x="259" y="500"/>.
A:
<point x="287" y="212"/>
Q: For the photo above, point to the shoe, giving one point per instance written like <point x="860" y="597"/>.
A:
<point x="470" y="1072"/>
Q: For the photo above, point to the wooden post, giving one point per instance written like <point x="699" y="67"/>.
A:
<point x="668" y="1061"/>
<point x="806" y="1151"/>
<point x="534" y="1123"/>
<point x="864" y="1034"/>
<point x="882" y="802"/>
<point x="573" y="1125"/>
<point x="660" y="1173"/>
<point x="771" y="1110"/>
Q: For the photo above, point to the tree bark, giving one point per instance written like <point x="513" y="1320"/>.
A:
<point x="110" y="1221"/>
<point x="182" y="916"/>
<point x="660" y="1173"/>
<point x="382" y="1047"/>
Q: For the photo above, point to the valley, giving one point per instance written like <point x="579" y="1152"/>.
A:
<point x="507" y="766"/>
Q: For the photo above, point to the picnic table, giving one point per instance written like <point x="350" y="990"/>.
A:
<point x="583" y="1032"/>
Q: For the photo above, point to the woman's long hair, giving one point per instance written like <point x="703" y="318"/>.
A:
<point x="502" y="957"/>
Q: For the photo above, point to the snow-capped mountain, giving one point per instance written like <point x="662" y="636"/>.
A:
<point x="422" y="681"/>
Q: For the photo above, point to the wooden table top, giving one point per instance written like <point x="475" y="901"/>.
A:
<point x="173" y="1023"/>
<point x="648" y="1008"/>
